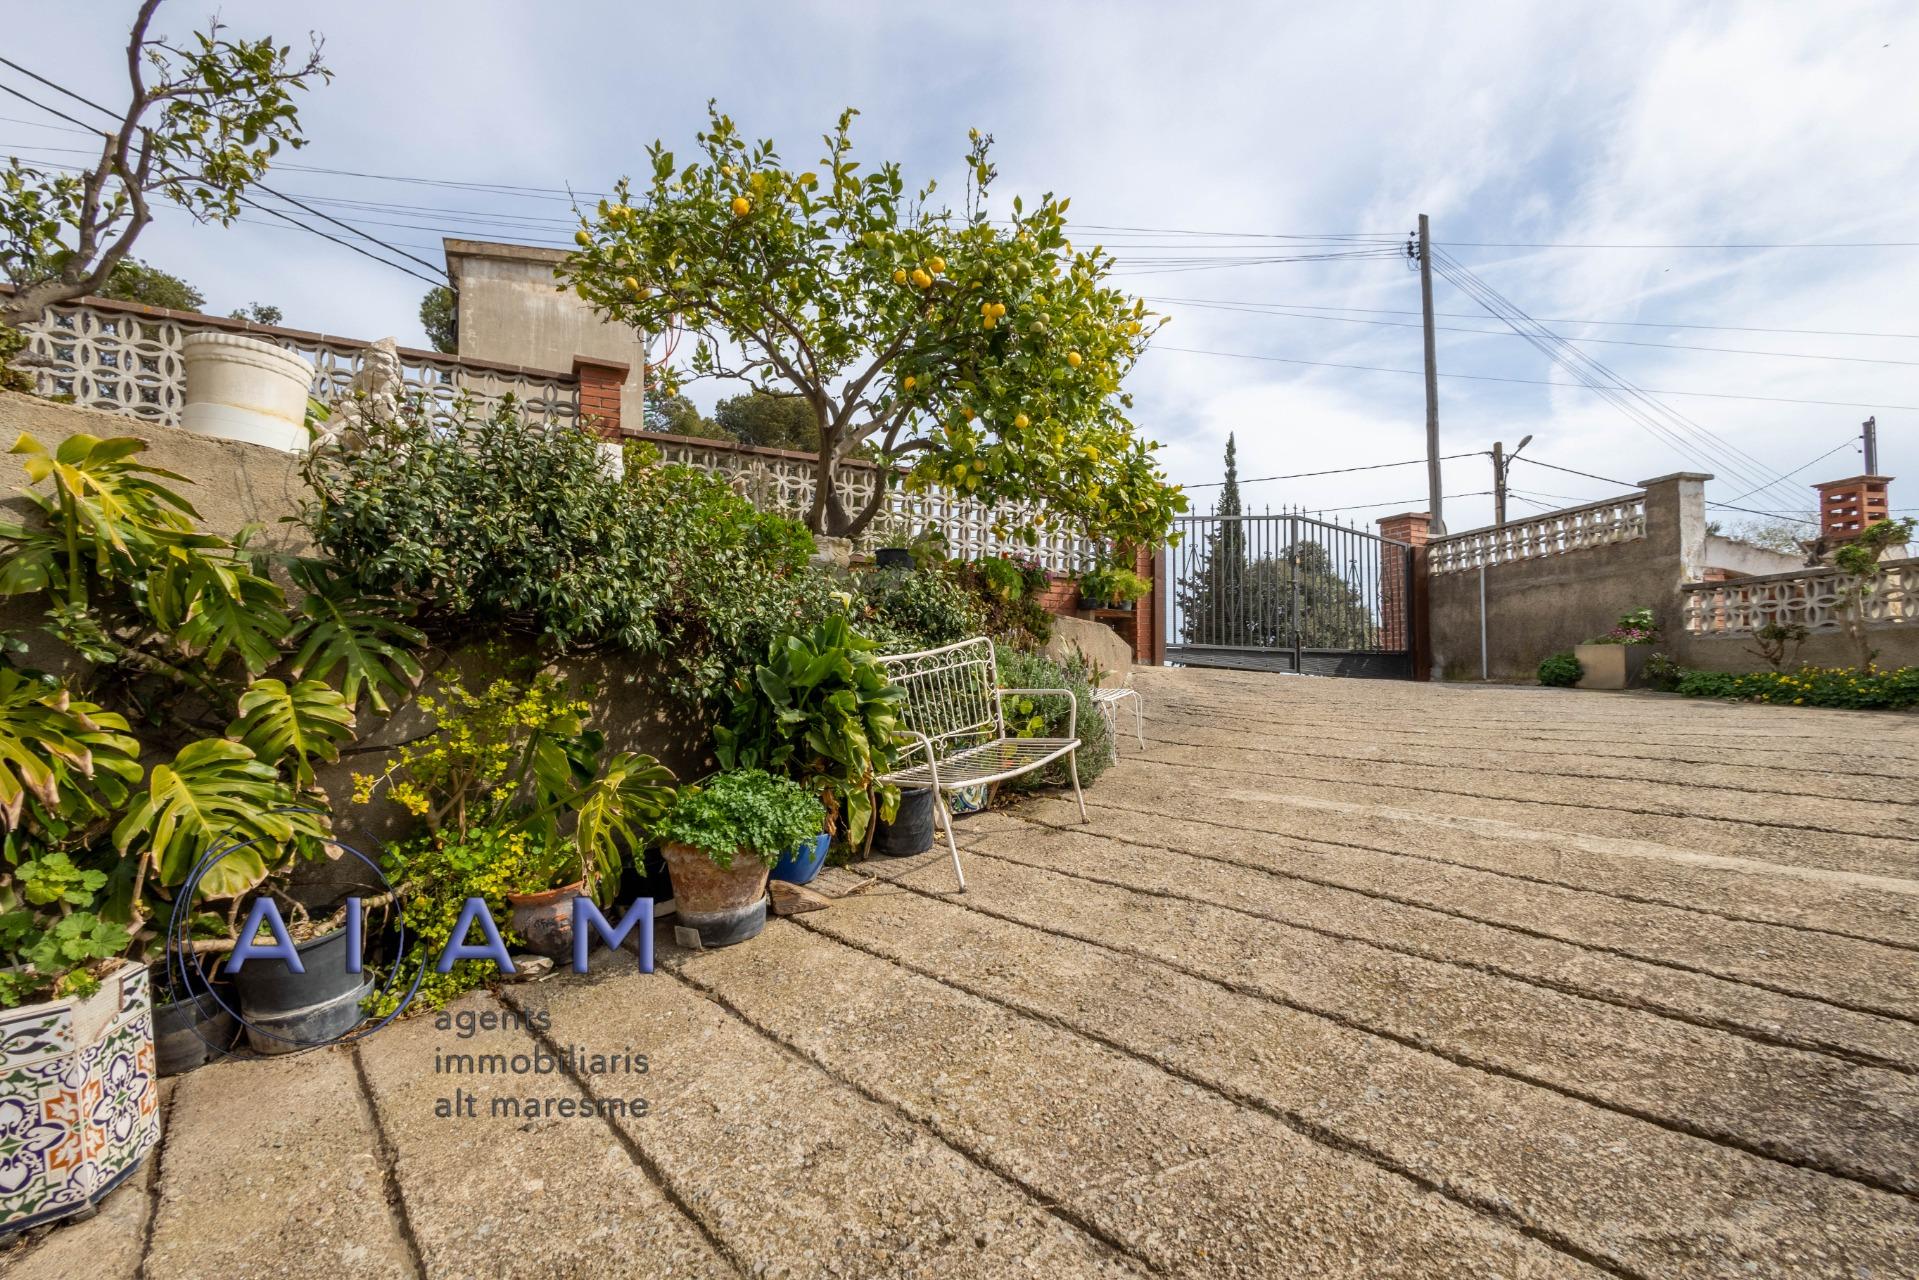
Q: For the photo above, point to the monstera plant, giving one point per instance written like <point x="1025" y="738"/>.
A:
<point x="195" y="717"/>
<point x="820" y="711"/>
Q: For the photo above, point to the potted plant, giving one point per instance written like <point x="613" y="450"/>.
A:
<point x="821" y="712"/>
<point x="150" y="613"/>
<point x="894" y="555"/>
<point x="722" y="839"/>
<point x="1111" y="587"/>
<point x="910" y="829"/>
<point x="1616" y="659"/>
<point x="517" y="803"/>
<point x="74" y="1025"/>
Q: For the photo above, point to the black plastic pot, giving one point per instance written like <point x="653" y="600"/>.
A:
<point x="191" y="1033"/>
<point x="893" y="558"/>
<point x="911" y="830"/>
<point x="287" y="1011"/>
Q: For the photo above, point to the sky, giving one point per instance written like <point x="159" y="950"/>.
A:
<point x="1588" y="162"/>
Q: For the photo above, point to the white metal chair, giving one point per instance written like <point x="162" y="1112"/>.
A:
<point x="1109" y="698"/>
<point x="954" y="722"/>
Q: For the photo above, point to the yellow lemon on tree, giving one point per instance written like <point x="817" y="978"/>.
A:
<point x="989" y="320"/>
<point x="581" y="238"/>
<point x="741" y="206"/>
<point x="1021" y="421"/>
<point x="1074" y="358"/>
<point x="910" y="380"/>
<point x="921" y="279"/>
<point x="936" y="265"/>
<point x="899" y="277"/>
<point x="632" y="285"/>
<point x="999" y="308"/>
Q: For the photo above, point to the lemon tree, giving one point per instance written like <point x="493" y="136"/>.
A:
<point x="982" y="354"/>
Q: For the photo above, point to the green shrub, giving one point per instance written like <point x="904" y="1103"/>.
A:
<point x="1028" y="717"/>
<point x="747" y="810"/>
<point x="507" y="526"/>
<point x="923" y="608"/>
<point x="819" y="710"/>
<point x="1661" y="672"/>
<point x="436" y="873"/>
<point x="1560" y="670"/>
<point x="1848" y="687"/>
<point x="1112" y="584"/>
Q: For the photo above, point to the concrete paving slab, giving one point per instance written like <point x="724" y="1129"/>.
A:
<point x="1644" y="1198"/>
<point x="272" y="1167"/>
<point x="795" y="1174"/>
<point x="1115" y="1140"/>
<point x="496" y="1192"/>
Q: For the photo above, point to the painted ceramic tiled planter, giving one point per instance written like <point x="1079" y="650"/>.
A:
<point x="79" y="1104"/>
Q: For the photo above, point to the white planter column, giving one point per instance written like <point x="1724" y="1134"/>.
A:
<point x="242" y="388"/>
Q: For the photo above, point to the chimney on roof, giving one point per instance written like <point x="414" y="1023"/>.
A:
<point x="1848" y="507"/>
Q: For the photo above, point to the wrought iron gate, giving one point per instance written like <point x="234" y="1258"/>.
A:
<point x="1289" y="593"/>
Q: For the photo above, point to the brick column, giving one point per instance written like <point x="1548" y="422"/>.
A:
<point x="1847" y="508"/>
<point x="1149" y="646"/>
<point x="1404" y="618"/>
<point x="600" y="384"/>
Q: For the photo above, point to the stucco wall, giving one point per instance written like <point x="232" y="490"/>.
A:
<point x="236" y="484"/>
<point x="511" y="310"/>
<point x="1537" y="607"/>
<point x="1896" y="646"/>
<point x="1743" y="558"/>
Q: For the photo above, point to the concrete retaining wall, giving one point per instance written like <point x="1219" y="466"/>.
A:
<point x="1540" y="606"/>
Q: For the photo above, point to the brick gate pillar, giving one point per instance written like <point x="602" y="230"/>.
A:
<point x="1404" y="619"/>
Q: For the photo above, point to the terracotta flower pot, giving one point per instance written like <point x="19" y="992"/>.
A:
<point x="725" y="906"/>
<point x="545" y="919"/>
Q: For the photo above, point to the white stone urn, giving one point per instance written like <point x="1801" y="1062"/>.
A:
<point x="242" y="388"/>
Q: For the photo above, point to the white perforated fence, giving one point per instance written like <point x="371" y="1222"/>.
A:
<point x="131" y="360"/>
<point x="1596" y="524"/>
<point x="1816" y="599"/>
<point x="776" y="480"/>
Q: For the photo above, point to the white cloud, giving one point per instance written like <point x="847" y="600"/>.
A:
<point x="1637" y="123"/>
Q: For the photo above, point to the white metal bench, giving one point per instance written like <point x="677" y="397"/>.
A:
<point x="955" y="727"/>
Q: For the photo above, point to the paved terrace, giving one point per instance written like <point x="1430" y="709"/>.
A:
<point x="1344" y="979"/>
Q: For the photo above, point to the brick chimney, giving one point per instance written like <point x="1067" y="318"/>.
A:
<point x="1848" y="507"/>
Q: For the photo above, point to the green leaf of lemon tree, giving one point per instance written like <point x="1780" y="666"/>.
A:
<point x="299" y="725"/>
<point x="214" y="792"/>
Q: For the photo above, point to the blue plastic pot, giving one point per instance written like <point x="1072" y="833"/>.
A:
<point x="801" y="865"/>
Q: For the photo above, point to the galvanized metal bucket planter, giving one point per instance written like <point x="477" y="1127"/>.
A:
<point x="79" y="1101"/>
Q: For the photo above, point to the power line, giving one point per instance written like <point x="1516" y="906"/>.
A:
<point x="1689" y="438"/>
<point x="1474" y="315"/>
<point x="1337" y="471"/>
<point x="81" y="98"/>
<point x="1848" y="441"/>
<point x="1529" y="382"/>
<point x="1273" y="310"/>
<point x="1838" y="244"/>
<point x="1724" y="506"/>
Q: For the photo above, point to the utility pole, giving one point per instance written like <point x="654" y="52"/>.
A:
<point x="1501" y="459"/>
<point x="1438" y="522"/>
<point x="1499" y="484"/>
<point x="1869" y="433"/>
